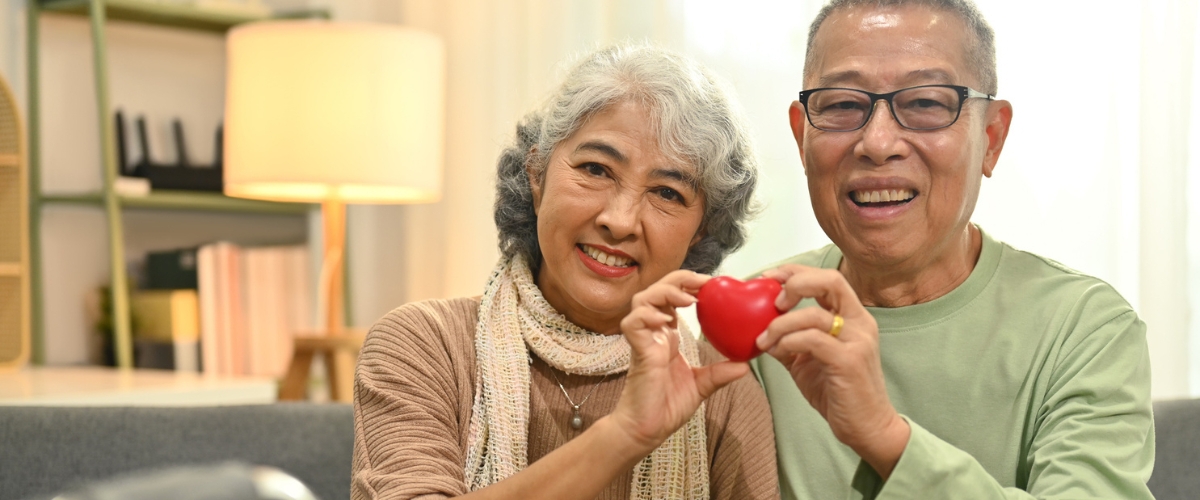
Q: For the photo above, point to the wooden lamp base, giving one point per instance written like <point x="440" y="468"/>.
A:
<point x="340" y="355"/>
<point x="337" y="347"/>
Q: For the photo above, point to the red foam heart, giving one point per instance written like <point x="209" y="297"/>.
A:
<point x="732" y="313"/>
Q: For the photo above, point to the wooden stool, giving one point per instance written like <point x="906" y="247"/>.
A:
<point x="340" y="353"/>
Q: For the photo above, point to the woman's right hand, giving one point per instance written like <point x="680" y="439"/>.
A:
<point x="662" y="390"/>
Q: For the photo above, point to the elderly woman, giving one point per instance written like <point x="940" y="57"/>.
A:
<point x="571" y="376"/>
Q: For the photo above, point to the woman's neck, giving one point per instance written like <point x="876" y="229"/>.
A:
<point x="918" y="281"/>
<point x="604" y="323"/>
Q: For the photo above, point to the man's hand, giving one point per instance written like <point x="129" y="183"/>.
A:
<point x="841" y="377"/>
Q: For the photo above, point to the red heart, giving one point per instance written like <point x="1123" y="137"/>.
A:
<point x="733" y="313"/>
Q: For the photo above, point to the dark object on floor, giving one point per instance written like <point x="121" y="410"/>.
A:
<point x="51" y="449"/>
<point x="224" y="481"/>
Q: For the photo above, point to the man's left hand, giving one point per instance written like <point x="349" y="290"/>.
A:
<point x="842" y="376"/>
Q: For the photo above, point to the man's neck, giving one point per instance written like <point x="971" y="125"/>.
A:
<point x="917" y="281"/>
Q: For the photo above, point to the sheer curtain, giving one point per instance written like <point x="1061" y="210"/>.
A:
<point x="1095" y="173"/>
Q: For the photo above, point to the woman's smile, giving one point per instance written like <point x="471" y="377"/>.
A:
<point x="608" y="262"/>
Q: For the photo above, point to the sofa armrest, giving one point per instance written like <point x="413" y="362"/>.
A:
<point x="1177" y="449"/>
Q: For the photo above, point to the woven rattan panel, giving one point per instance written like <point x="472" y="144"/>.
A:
<point x="8" y="127"/>
<point x="9" y="137"/>
<point x="11" y="335"/>
<point x="10" y="215"/>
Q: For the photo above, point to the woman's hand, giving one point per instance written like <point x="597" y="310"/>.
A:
<point x="842" y="376"/>
<point x="662" y="390"/>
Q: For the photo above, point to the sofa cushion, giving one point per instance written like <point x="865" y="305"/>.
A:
<point x="50" y="449"/>
<point x="1177" y="450"/>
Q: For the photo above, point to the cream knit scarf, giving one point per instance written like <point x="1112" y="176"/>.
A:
<point x="513" y="315"/>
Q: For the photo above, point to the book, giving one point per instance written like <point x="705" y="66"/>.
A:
<point x="167" y="329"/>
<point x="253" y="301"/>
<point x="171" y="269"/>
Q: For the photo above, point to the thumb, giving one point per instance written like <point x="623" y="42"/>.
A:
<point x="717" y="375"/>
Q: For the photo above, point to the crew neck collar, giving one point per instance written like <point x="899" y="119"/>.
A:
<point x="926" y="313"/>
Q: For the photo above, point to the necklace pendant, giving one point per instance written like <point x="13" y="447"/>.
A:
<point x="576" y="418"/>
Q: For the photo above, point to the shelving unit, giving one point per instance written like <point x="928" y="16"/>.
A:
<point x="185" y="200"/>
<point x="14" y="242"/>
<point x="99" y="12"/>
<point x="162" y="14"/>
<point x="10" y="270"/>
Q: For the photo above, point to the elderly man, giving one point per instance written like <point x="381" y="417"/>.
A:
<point x="921" y="357"/>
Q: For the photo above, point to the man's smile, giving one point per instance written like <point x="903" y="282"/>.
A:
<point x="881" y="197"/>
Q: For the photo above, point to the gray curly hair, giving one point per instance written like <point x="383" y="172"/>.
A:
<point x="697" y="121"/>
<point x="981" y="53"/>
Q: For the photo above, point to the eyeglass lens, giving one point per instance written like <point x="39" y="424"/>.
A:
<point x="915" y="108"/>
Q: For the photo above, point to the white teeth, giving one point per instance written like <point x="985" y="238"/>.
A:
<point x="883" y="196"/>
<point x="606" y="259"/>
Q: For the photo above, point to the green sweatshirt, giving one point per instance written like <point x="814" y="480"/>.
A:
<point x="1029" y="380"/>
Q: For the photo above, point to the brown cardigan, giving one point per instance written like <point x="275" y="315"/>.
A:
<point x="412" y="401"/>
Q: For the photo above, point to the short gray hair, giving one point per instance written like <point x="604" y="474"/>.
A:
<point x="981" y="54"/>
<point x="697" y="121"/>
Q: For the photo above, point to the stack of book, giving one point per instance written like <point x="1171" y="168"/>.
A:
<point x="166" y="313"/>
<point x="166" y="329"/>
<point x="252" y="302"/>
<point x="222" y="309"/>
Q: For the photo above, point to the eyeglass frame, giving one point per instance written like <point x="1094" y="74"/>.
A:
<point x="964" y="93"/>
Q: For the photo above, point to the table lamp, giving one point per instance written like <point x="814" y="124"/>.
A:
<point x="334" y="113"/>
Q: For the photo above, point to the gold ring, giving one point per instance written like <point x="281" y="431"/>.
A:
<point x="836" y="329"/>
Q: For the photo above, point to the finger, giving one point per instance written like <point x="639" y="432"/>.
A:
<point x="717" y="375"/>
<point x="811" y="342"/>
<point x="793" y="321"/>
<point x="785" y="271"/>
<point x="783" y="274"/>
<point x="641" y="323"/>
<point x="827" y="286"/>
<point x="685" y="280"/>
<point x="663" y="295"/>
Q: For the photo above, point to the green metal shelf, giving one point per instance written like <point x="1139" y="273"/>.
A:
<point x="186" y="200"/>
<point x="98" y="13"/>
<point x="172" y="15"/>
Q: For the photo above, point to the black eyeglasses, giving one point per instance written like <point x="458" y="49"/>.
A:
<point x="927" y="107"/>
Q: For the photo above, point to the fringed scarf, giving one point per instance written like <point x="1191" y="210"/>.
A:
<point x="514" y="315"/>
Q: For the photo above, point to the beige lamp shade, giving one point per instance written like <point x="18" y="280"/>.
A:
<point x="320" y="111"/>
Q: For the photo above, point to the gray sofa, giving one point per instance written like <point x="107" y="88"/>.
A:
<point x="1177" y="453"/>
<point x="45" y="450"/>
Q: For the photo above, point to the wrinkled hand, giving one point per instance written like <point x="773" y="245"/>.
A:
<point x="662" y="390"/>
<point x="841" y="377"/>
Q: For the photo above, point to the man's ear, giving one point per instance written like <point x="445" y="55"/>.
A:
<point x="999" y="118"/>
<point x="797" y="121"/>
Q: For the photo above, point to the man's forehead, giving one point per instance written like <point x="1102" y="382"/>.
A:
<point x="856" y="77"/>
<point x="876" y="19"/>
<point x="905" y="43"/>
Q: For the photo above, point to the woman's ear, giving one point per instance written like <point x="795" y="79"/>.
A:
<point x="535" y="187"/>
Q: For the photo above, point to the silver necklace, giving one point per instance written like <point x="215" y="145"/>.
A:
<point x="576" y="418"/>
